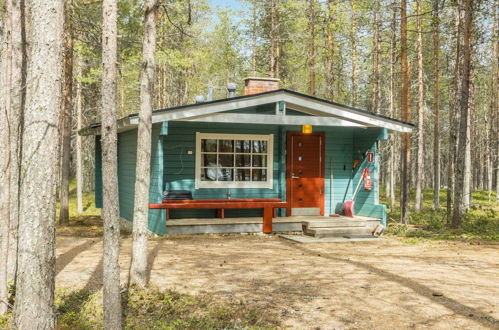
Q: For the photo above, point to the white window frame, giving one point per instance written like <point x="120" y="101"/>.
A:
<point x="235" y="184"/>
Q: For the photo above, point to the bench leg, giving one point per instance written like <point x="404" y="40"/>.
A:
<point x="221" y="213"/>
<point x="267" y="220"/>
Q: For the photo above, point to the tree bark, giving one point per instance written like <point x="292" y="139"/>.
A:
<point x="5" y="111"/>
<point x="274" y="42"/>
<point x="376" y="96"/>
<point x="454" y="115"/>
<point x="110" y="209"/>
<point x="406" y="115"/>
<point x="495" y="93"/>
<point x="138" y="268"/>
<point x="79" y="145"/>
<point x="391" y="156"/>
<point x="353" y="36"/>
<point x="66" y="114"/>
<point x="420" y="156"/>
<point x="253" y="38"/>
<point x="330" y="50"/>
<point x="436" y="105"/>
<point x="311" y="47"/>
<point x="464" y="109"/>
<point x="34" y="306"/>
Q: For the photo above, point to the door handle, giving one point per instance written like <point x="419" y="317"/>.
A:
<point x="295" y="177"/>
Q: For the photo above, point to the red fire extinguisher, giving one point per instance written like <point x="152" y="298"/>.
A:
<point x="367" y="179"/>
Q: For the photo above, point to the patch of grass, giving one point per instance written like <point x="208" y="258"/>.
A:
<point x="156" y="309"/>
<point x="481" y="222"/>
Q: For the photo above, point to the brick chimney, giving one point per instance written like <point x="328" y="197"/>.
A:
<point x="255" y="85"/>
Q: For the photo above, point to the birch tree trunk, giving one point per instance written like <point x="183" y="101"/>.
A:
<point x="34" y="306"/>
<point x="138" y="268"/>
<point x="253" y="38"/>
<point x="66" y="113"/>
<point x="464" y="109"/>
<point x="110" y="209"/>
<point x="311" y="48"/>
<point x="406" y="115"/>
<point x="436" y="105"/>
<point x="420" y="156"/>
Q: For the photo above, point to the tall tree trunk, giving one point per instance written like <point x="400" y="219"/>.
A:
<point x="110" y="209"/>
<point x="330" y="50"/>
<point x="253" y="38"/>
<point x="138" y="268"/>
<point x="311" y="47"/>
<point x="454" y="114"/>
<point x="34" y="306"/>
<point x="5" y="111"/>
<point x="495" y="93"/>
<point x="436" y="105"/>
<point x="66" y="114"/>
<point x="79" y="145"/>
<point x="420" y="155"/>
<point x="406" y="115"/>
<point x="465" y="113"/>
<point x="273" y="39"/>
<point x="376" y="96"/>
<point x="353" y="38"/>
<point x="391" y="155"/>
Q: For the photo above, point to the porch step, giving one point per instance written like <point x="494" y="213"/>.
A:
<point x="338" y="227"/>
<point x="337" y="232"/>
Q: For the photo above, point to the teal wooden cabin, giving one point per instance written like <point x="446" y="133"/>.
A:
<point x="252" y="146"/>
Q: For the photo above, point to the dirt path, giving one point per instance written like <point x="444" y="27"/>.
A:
<point x="379" y="285"/>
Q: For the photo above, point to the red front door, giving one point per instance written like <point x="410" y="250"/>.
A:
<point x="305" y="173"/>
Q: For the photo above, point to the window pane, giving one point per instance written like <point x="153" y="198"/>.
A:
<point x="226" y="160"/>
<point x="259" y="175"/>
<point x="209" y="145"/>
<point x="243" y="174"/>
<point x="243" y="146"/>
<point x="243" y="160"/>
<point x="225" y="146"/>
<point x="226" y="174"/>
<point x="259" y="160"/>
<point x="208" y="160"/>
<point x="260" y="146"/>
<point x="208" y="174"/>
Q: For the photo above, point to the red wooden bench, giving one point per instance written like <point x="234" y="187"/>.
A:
<point x="267" y="204"/>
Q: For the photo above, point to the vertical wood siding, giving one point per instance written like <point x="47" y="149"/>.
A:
<point x="173" y="168"/>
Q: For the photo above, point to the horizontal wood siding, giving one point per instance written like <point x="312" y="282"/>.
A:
<point x="127" y="151"/>
<point x="179" y="166"/>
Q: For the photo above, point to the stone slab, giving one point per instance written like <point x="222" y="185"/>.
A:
<point x="309" y="239"/>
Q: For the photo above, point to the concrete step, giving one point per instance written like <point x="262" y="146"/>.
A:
<point x="337" y="232"/>
<point x="334" y="223"/>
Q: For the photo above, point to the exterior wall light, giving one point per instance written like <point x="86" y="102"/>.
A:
<point x="306" y="129"/>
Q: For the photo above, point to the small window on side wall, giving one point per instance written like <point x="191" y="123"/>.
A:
<point x="234" y="160"/>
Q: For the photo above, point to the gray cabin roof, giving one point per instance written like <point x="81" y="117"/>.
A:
<point x="317" y="112"/>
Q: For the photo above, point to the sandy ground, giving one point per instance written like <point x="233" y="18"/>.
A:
<point x="367" y="285"/>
